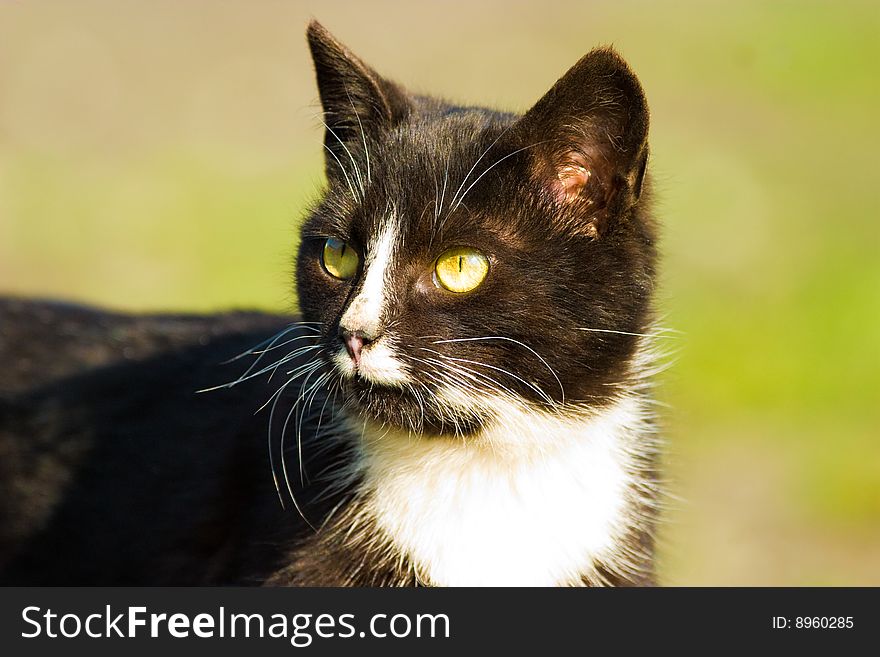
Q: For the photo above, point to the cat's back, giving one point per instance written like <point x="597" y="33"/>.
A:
<point x="42" y="341"/>
<point x="112" y="466"/>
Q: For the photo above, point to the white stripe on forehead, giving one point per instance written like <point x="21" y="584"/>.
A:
<point x="364" y="313"/>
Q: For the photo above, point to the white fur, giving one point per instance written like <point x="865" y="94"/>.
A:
<point x="532" y="501"/>
<point x="377" y="362"/>
<point x="366" y="309"/>
<point x="344" y="363"/>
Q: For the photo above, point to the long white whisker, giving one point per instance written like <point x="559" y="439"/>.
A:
<point x="307" y="407"/>
<point x="295" y="408"/>
<point x="277" y="397"/>
<point x="658" y="334"/>
<point x="287" y="358"/>
<point x="482" y="155"/>
<point x="443" y="192"/>
<point x="538" y="390"/>
<point x="357" y="171"/>
<point x="342" y="168"/>
<point x="293" y="374"/>
<point x="363" y="135"/>
<point x="521" y="344"/>
<point x="473" y="375"/>
<point x="499" y="161"/>
<point x="271" y="342"/>
<point x="259" y="352"/>
<point x="274" y="366"/>
<point x="253" y="350"/>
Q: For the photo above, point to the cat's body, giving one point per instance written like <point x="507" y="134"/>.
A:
<point x="466" y="399"/>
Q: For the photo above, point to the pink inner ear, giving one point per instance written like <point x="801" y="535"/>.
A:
<point x="572" y="177"/>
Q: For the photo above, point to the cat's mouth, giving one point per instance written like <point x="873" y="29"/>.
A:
<point x="376" y="365"/>
<point x="401" y="403"/>
<point x="380" y="387"/>
<point x="402" y="408"/>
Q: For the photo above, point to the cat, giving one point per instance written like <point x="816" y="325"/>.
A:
<point x="466" y="398"/>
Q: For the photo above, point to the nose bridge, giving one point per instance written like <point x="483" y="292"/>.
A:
<point x="366" y="311"/>
<point x="363" y="316"/>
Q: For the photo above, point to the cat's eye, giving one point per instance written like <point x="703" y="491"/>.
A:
<point x="339" y="259"/>
<point x="461" y="269"/>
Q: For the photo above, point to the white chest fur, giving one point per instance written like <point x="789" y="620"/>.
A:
<point x="533" y="502"/>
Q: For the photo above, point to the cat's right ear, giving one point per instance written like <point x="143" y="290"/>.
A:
<point x="357" y="102"/>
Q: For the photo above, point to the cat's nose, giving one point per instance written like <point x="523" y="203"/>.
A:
<point x="354" y="342"/>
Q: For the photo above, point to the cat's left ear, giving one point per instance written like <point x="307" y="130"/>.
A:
<point x="357" y="102"/>
<point x="587" y="139"/>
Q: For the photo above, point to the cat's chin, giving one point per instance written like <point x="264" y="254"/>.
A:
<point x="399" y="408"/>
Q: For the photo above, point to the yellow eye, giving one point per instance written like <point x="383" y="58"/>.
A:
<point x="340" y="260"/>
<point x="461" y="269"/>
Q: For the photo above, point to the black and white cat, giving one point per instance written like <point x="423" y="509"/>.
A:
<point x="466" y="400"/>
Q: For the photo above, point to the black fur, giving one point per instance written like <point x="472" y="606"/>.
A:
<point x="548" y="268"/>
<point x="114" y="471"/>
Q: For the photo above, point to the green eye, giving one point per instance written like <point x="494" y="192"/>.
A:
<point x="339" y="259"/>
<point x="461" y="269"/>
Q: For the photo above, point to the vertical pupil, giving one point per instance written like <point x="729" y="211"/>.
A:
<point x="459" y="263"/>
<point x="342" y="250"/>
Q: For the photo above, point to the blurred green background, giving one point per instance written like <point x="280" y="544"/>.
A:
<point x="158" y="155"/>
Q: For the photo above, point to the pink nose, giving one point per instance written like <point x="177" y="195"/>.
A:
<point x="354" y="342"/>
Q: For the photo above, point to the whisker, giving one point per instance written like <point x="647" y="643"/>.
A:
<point x="342" y="168"/>
<point x="538" y="390"/>
<point x="307" y="408"/>
<point x="499" y="161"/>
<point x="659" y="334"/>
<point x="363" y="136"/>
<point x="269" y="341"/>
<point x="482" y="155"/>
<point x="303" y="391"/>
<point x="271" y="454"/>
<point x="521" y="344"/>
<point x="278" y="346"/>
<point x="277" y="396"/>
<point x="473" y="375"/>
<point x="274" y="367"/>
<point x="357" y="172"/>
<point x="293" y="374"/>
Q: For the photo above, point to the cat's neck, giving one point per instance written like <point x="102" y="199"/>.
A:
<point x="536" y="499"/>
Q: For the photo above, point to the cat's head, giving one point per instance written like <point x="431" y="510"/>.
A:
<point x="466" y="261"/>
